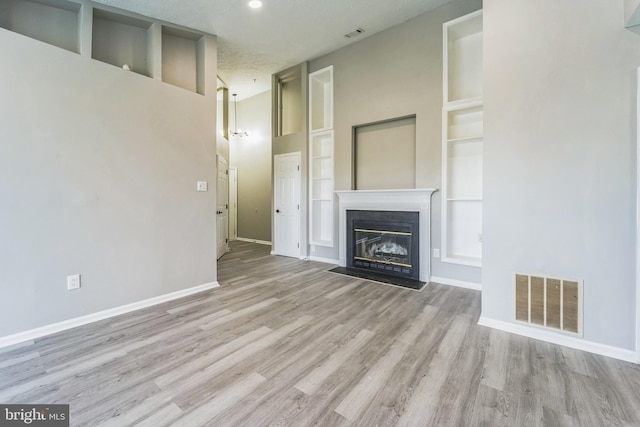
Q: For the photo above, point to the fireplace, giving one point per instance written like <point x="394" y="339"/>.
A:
<point x="385" y="242"/>
<point x="415" y="202"/>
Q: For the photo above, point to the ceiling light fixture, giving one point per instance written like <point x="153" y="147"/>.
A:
<point x="237" y="132"/>
<point x="255" y="4"/>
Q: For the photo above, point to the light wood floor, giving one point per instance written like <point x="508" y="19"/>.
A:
<point x="284" y="342"/>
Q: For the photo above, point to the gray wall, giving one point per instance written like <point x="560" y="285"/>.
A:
<point x="252" y="156"/>
<point x="98" y="171"/>
<point x="559" y="159"/>
<point x="392" y="74"/>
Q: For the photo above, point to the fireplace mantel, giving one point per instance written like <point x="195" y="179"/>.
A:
<point x="410" y="200"/>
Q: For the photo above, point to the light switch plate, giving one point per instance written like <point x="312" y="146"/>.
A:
<point x="202" y="186"/>
<point x="73" y="282"/>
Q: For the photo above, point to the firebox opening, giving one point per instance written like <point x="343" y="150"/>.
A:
<point x="384" y="242"/>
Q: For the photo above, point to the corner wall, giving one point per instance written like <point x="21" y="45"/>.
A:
<point x="559" y="160"/>
<point x="98" y="171"/>
<point x="251" y="155"/>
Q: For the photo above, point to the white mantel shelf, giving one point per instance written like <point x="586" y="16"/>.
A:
<point x="409" y="200"/>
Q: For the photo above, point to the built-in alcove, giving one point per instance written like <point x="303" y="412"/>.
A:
<point x="289" y="108"/>
<point x="384" y="154"/>
<point x="222" y="112"/>
<point x="119" y="40"/>
<point x="51" y="21"/>
<point x="462" y="141"/>
<point x="463" y="58"/>
<point x="181" y="59"/>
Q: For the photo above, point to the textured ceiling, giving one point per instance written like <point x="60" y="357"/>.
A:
<point x="255" y="43"/>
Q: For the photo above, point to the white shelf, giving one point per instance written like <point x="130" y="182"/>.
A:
<point x="462" y="141"/>
<point x="321" y="188"/>
<point x="463" y="103"/>
<point x="465" y="140"/>
<point x="463" y="260"/>
<point x="463" y="58"/>
<point x="321" y="100"/>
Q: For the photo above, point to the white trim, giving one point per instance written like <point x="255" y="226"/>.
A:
<point x="260" y="242"/>
<point x="570" y="341"/>
<point x="638" y="220"/>
<point x="233" y="203"/>
<point x="53" y="328"/>
<point x="325" y="260"/>
<point x="458" y="283"/>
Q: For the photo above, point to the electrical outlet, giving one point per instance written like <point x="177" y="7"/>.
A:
<point x="436" y="253"/>
<point x="73" y="282"/>
<point x="202" y="186"/>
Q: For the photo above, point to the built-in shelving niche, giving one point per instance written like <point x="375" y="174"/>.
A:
<point x="51" y="21"/>
<point x="321" y="139"/>
<point x="182" y="59"/>
<point x="462" y="142"/>
<point x="122" y="40"/>
<point x="116" y="39"/>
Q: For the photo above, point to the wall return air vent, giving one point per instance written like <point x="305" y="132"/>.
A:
<point x="549" y="302"/>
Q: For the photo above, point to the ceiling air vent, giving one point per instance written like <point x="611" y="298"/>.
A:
<point x="354" y="33"/>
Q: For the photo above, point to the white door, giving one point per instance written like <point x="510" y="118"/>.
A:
<point x="222" y="207"/>
<point x="286" y="235"/>
<point x="233" y="203"/>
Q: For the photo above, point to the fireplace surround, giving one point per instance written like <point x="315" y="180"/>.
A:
<point x="410" y="200"/>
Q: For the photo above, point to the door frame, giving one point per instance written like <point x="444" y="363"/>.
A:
<point x="226" y="162"/>
<point x="233" y="203"/>
<point x="298" y="154"/>
<point x="638" y="216"/>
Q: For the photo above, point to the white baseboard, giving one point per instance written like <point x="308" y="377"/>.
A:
<point x="325" y="260"/>
<point x="53" y="328"/>
<point x="458" y="283"/>
<point x="560" y="339"/>
<point x="260" y="242"/>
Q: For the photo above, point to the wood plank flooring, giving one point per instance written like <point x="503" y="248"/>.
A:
<point x="283" y="342"/>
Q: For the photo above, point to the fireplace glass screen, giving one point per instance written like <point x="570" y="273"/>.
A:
<point x="390" y="248"/>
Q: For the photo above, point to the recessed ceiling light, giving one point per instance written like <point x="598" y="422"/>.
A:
<point x="255" y="4"/>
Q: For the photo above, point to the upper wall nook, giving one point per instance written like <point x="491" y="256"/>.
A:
<point x="135" y="43"/>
